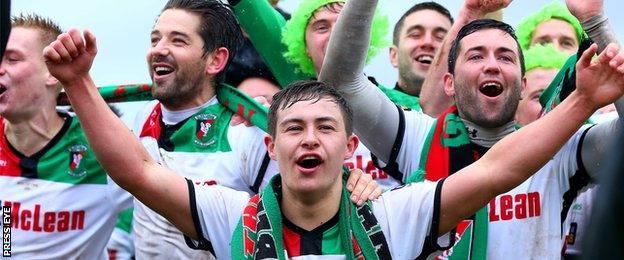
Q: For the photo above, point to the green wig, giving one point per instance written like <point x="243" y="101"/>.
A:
<point x="293" y="34"/>
<point x="544" y="57"/>
<point x="556" y="10"/>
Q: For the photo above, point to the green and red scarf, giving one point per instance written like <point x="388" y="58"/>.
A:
<point x="447" y="150"/>
<point x="228" y="96"/>
<point x="360" y="233"/>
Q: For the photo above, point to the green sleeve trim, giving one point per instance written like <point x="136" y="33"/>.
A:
<point x="401" y="99"/>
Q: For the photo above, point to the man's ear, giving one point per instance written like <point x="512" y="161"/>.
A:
<point x="449" y="84"/>
<point x="393" y="56"/>
<point x="352" y="144"/>
<point x="268" y="141"/>
<point x="524" y="87"/>
<point x="217" y="60"/>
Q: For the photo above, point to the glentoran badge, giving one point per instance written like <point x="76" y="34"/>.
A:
<point x="202" y="127"/>
<point x="76" y="154"/>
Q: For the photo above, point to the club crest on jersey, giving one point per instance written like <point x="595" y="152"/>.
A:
<point x="202" y="127"/>
<point x="76" y="154"/>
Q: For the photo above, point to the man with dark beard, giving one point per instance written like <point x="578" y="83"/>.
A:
<point x="187" y="129"/>
<point x="485" y="76"/>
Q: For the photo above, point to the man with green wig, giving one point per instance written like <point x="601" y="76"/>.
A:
<point x="289" y="61"/>
<point x="555" y="24"/>
<point x="552" y="24"/>
<point x="542" y="64"/>
<point x="295" y="50"/>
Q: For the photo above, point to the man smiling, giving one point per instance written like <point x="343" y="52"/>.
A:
<point x="485" y="76"/>
<point x="417" y="36"/>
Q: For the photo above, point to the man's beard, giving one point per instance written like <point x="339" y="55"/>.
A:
<point x="184" y="87"/>
<point x="468" y="106"/>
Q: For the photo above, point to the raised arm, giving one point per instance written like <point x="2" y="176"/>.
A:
<point x="598" y="83"/>
<point x="599" y="139"/>
<point x="264" y="26"/>
<point x="433" y="99"/>
<point x="376" y="118"/>
<point x="69" y="59"/>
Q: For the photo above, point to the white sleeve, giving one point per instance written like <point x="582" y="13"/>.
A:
<point x="414" y="127"/>
<point x="216" y="211"/>
<point x="409" y="217"/>
<point x="568" y="162"/>
<point x="256" y="166"/>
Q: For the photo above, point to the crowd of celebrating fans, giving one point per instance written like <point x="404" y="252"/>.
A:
<point x="263" y="138"/>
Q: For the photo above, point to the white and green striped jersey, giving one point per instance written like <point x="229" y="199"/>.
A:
<point x="63" y="205"/>
<point x="200" y="145"/>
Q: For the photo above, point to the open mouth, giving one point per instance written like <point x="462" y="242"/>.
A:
<point x="309" y="162"/>
<point x="162" y="70"/>
<point x="2" y="89"/>
<point x="491" y="89"/>
<point x="425" y="59"/>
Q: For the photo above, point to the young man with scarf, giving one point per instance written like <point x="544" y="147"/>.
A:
<point x="187" y="128"/>
<point x="485" y="78"/>
<point x="295" y="49"/>
<point x="310" y="136"/>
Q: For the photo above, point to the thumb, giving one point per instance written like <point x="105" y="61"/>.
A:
<point x="90" y="42"/>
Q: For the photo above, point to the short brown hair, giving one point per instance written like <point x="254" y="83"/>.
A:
<point x="49" y="30"/>
<point x="308" y="90"/>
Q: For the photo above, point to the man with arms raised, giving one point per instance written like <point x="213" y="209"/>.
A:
<point x="63" y="205"/>
<point x="485" y="78"/>
<point x="187" y="128"/>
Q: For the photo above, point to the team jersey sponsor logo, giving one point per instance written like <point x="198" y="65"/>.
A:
<point x="76" y="154"/>
<point x="518" y="206"/>
<point x="37" y="220"/>
<point x="202" y="126"/>
<point x="368" y="167"/>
